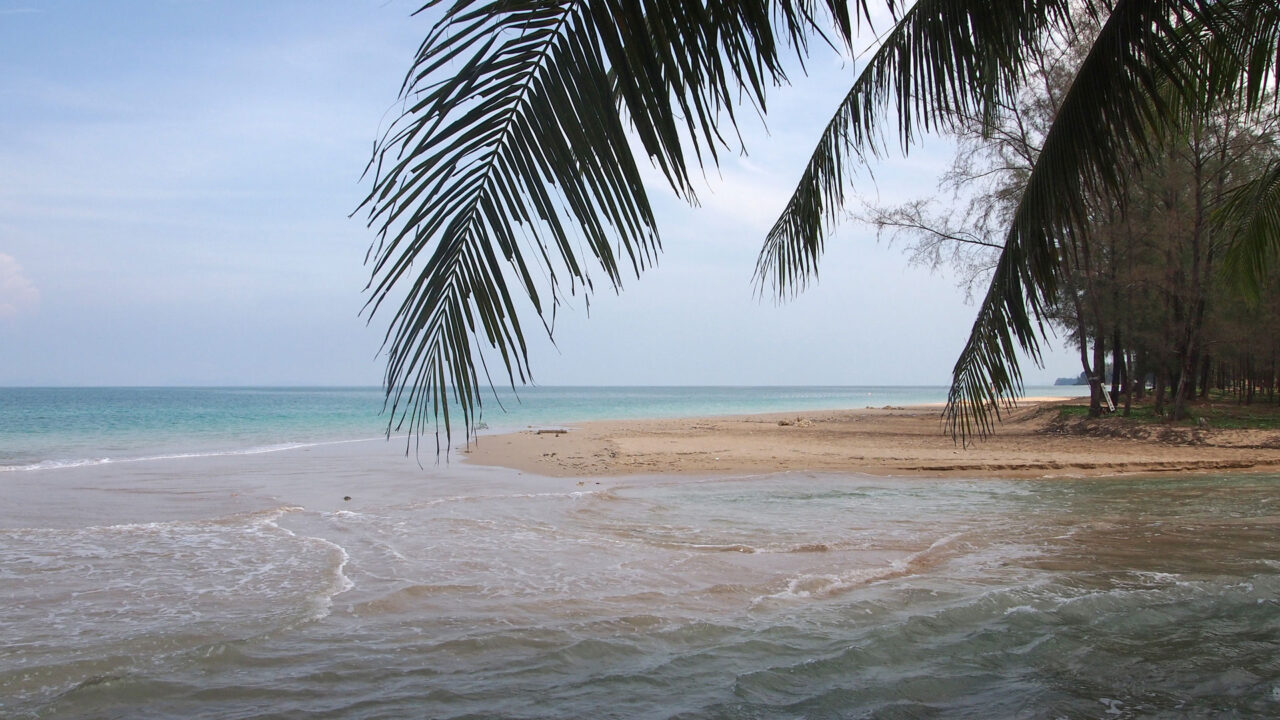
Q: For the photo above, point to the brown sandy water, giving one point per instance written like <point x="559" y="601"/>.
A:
<point x="246" y="587"/>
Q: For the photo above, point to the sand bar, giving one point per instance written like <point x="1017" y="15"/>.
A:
<point x="1033" y="441"/>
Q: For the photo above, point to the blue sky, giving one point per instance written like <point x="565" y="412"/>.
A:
<point x="176" y="181"/>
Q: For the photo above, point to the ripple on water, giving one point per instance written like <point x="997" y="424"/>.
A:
<point x="92" y="604"/>
<point x="803" y="596"/>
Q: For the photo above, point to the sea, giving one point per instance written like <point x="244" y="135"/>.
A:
<point x="272" y="553"/>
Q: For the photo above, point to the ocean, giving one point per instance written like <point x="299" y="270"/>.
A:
<point x="268" y="553"/>
<point x="43" y="428"/>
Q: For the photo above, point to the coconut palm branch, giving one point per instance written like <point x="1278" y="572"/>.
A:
<point x="1244" y="49"/>
<point x="510" y="171"/>
<point x="1154" y="66"/>
<point x="1248" y="46"/>
<point x="1119" y="98"/>
<point x="1132" y="84"/>
<point x="942" y="59"/>
<point x="1253" y="209"/>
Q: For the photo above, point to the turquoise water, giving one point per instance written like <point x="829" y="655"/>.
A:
<point x="44" y="427"/>
<point x="68" y="426"/>
<point x="242" y="553"/>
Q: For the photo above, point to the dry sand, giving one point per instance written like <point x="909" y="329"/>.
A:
<point x="1031" y="442"/>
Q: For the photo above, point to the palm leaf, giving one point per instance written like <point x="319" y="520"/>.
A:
<point x="1242" y="52"/>
<point x="941" y="60"/>
<point x="484" y="163"/>
<point x="1253" y="210"/>
<point x="510" y="172"/>
<point x="1109" y="118"/>
<point x="932" y="71"/>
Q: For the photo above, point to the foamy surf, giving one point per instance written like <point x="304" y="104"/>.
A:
<point x="808" y="586"/>
<point x="138" y="590"/>
<point x="257" y="450"/>
<point x="466" y="592"/>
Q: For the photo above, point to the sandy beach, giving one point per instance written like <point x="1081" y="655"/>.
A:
<point x="1031" y="442"/>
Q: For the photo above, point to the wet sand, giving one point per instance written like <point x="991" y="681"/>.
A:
<point x="1031" y="442"/>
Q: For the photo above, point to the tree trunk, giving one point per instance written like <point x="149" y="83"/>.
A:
<point x="1248" y="378"/>
<point x="1117" y="365"/>
<point x="1139" y="377"/>
<point x="1270" y="385"/>
<point x="1162" y="381"/>
<point x="1098" y="376"/>
<point x="1182" y="391"/>
<point x="1206" y="361"/>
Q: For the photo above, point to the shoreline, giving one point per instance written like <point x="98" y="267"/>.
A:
<point x="1031" y="442"/>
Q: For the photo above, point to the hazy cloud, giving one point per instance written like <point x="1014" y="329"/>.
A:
<point x="16" y="291"/>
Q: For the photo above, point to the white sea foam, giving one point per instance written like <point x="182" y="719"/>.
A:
<point x="257" y="450"/>
<point x="820" y="585"/>
<point x="1160" y="578"/>
<point x="153" y="590"/>
<point x="808" y="586"/>
<point x="322" y="601"/>
<point x="1020" y="609"/>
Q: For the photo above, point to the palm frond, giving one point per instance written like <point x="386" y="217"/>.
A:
<point x="1252" y="209"/>
<point x="510" y="172"/>
<point x="1242" y="52"/>
<point x="484" y="163"/>
<point x="698" y="61"/>
<point x="943" y="58"/>
<point x="984" y="379"/>
<point x="1109" y="118"/>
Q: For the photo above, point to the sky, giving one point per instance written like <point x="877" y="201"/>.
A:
<point x="177" y="186"/>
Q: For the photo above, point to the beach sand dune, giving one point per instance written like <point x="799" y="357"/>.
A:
<point x="1033" y="441"/>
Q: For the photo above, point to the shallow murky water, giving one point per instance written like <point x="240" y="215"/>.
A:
<point x="246" y="587"/>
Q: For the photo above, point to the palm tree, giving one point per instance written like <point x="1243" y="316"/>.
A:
<point x="510" y="172"/>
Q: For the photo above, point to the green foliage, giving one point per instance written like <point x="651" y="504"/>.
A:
<point x="1116" y="104"/>
<point x="1231" y="418"/>
<point x="1223" y="414"/>
<point x="1253" y="209"/>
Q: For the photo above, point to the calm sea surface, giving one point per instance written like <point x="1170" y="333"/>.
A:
<point x="175" y="553"/>
<point x="60" y="427"/>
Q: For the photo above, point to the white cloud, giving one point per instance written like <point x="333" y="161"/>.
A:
<point x="16" y="291"/>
